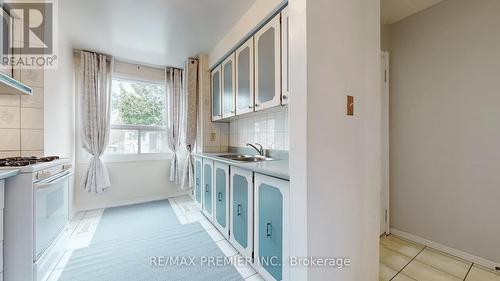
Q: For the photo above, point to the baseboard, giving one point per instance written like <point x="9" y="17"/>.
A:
<point x="445" y="249"/>
<point x="133" y="201"/>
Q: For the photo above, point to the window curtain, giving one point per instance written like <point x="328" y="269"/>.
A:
<point x="190" y="117"/>
<point x="173" y="80"/>
<point x="96" y="75"/>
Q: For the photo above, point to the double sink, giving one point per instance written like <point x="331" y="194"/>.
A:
<point x="245" y="158"/>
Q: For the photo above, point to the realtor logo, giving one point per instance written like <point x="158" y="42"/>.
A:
<point x="28" y="37"/>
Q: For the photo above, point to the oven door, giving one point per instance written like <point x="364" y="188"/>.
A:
<point x="51" y="211"/>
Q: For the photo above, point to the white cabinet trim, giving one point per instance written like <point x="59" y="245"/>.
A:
<point x="249" y="177"/>
<point x="274" y="23"/>
<point x="284" y="187"/>
<point x="250" y="45"/>
<point x="225" y="167"/>
<point x="285" y="71"/>
<point x="217" y="69"/>
<point x="232" y="111"/>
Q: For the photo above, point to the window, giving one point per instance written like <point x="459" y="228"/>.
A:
<point x="138" y="118"/>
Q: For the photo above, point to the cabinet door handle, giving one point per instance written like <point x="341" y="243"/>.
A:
<point x="285" y="97"/>
<point x="250" y="107"/>
<point x="219" y="196"/>
<point x="256" y="105"/>
<point x="269" y="229"/>
<point x="239" y="210"/>
<point x="232" y="111"/>
<point x="206" y="187"/>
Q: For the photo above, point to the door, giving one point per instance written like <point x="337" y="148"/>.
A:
<point x="228" y="88"/>
<point x="197" y="182"/>
<point x="221" y="215"/>
<point x="267" y="65"/>
<point x="207" y="188"/>
<point x="216" y="93"/>
<point x="271" y="227"/>
<point x="51" y="210"/>
<point x="241" y="227"/>
<point x="384" y="192"/>
<point x="244" y="78"/>
<point x="285" y="70"/>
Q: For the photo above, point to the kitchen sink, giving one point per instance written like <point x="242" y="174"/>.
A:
<point x="245" y="158"/>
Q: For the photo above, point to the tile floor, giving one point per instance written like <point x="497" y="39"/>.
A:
<point x="402" y="260"/>
<point x="84" y="224"/>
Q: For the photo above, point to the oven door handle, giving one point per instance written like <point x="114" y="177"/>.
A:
<point x="47" y="183"/>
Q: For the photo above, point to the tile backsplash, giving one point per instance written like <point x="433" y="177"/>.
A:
<point x="22" y="118"/>
<point x="269" y="128"/>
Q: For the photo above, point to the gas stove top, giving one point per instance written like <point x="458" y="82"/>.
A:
<point x="25" y="161"/>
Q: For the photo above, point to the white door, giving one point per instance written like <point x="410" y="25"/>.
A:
<point x="244" y="78"/>
<point x="285" y="70"/>
<point x="216" y="93"/>
<point x="228" y="86"/>
<point x="384" y="192"/>
<point x="268" y="65"/>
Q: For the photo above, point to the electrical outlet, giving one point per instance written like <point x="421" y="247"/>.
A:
<point x="213" y="136"/>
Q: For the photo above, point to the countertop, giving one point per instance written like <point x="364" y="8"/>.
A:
<point x="274" y="168"/>
<point x="8" y="173"/>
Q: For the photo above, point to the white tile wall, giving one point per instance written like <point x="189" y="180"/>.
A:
<point x="269" y="128"/>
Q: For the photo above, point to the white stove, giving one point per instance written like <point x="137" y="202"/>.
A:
<point x="36" y="216"/>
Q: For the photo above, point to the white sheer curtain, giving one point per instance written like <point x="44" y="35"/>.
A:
<point x="174" y="92"/>
<point x="190" y="118"/>
<point x="96" y="75"/>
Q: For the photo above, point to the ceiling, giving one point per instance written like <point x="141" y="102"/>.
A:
<point x="396" y="10"/>
<point x="154" y="32"/>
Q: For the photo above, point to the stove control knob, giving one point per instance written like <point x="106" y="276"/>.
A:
<point x="43" y="175"/>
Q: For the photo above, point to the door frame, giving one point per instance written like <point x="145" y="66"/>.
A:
<point x="385" y="193"/>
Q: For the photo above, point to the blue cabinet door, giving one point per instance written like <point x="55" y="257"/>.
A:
<point x="222" y="197"/>
<point x="270" y="212"/>
<point x="271" y="205"/>
<point x="207" y="187"/>
<point x="242" y="211"/>
<point x="197" y="186"/>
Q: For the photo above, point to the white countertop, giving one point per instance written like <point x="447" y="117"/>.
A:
<point x="274" y="168"/>
<point x="8" y="173"/>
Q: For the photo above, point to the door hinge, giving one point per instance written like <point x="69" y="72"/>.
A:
<point x="385" y="215"/>
<point x="385" y="76"/>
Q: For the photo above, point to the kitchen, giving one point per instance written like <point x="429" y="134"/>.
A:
<point x="224" y="140"/>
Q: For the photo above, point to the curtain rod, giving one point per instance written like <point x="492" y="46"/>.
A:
<point x="78" y="51"/>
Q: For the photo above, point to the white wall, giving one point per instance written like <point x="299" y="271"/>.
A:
<point x="132" y="182"/>
<point x="336" y="50"/>
<point x="133" y="179"/>
<point x="249" y="22"/>
<point x="445" y="134"/>
<point x="59" y="100"/>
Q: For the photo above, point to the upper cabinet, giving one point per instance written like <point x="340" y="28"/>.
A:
<point x="255" y="76"/>
<point x="216" y="94"/>
<point x="244" y="78"/>
<point x="267" y="65"/>
<point x="285" y="68"/>
<point x="228" y="88"/>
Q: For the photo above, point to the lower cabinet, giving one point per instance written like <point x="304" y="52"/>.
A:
<point x="198" y="163"/>
<point x="221" y="187"/>
<point x="271" y="227"/>
<point x="241" y="216"/>
<point x="207" y="196"/>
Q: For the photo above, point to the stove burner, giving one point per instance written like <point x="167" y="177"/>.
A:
<point x="25" y="161"/>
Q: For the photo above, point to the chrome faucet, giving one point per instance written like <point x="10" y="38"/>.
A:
<point x="260" y="151"/>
